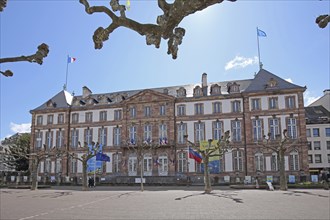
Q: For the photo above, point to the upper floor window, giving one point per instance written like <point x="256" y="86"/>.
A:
<point x="328" y="145"/>
<point x="317" y="145"/>
<point x="133" y="134"/>
<point x="198" y="91"/>
<point x="50" y="119"/>
<point x="182" y="130"/>
<point x="309" y="145"/>
<point x="217" y="130"/>
<point x="60" y="138"/>
<point x="181" y="110"/>
<point x="38" y="139"/>
<point x="316" y="132"/>
<point x="274" y="128"/>
<point x="74" y="138"/>
<point x="236" y="130"/>
<point x="162" y="134"/>
<point x="308" y="132"/>
<point x="39" y="120"/>
<point x="88" y="136"/>
<point x="310" y="158"/>
<point x="255" y="104"/>
<point x="199" y="132"/>
<point x="117" y="115"/>
<point x="162" y="110"/>
<point x="132" y="111"/>
<point x="49" y="139"/>
<point x="60" y="119"/>
<point x="236" y="106"/>
<point x="147" y="134"/>
<point x="147" y="111"/>
<point x="103" y="115"/>
<point x="233" y="87"/>
<point x="75" y="118"/>
<point x="181" y="92"/>
<point x="292" y="128"/>
<point x="318" y="158"/>
<point x="116" y="136"/>
<point x="257" y="129"/>
<point x="215" y="89"/>
<point x="290" y="102"/>
<point x="216" y="107"/>
<point x="199" y="109"/>
<point x="89" y="117"/>
<point x="103" y="136"/>
<point x="273" y="103"/>
<point x="327" y="132"/>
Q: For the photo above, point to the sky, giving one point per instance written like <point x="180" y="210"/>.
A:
<point x="220" y="41"/>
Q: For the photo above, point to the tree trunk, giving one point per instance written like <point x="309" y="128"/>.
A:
<point x="34" y="175"/>
<point x="141" y="175"/>
<point x="84" y="180"/>
<point x="283" y="184"/>
<point x="207" y="180"/>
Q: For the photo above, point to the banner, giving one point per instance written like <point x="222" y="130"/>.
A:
<point x="92" y="164"/>
<point x="214" y="161"/>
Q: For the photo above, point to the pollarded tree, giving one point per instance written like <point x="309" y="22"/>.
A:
<point x="222" y="146"/>
<point x="167" y="26"/>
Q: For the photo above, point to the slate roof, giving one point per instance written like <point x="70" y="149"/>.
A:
<point x="263" y="77"/>
<point x="61" y="100"/>
<point x="317" y="114"/>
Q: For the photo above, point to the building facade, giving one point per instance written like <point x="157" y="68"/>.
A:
<point x="250" y="109"/>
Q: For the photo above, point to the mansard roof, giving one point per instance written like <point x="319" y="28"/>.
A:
<point x="265" y="80"/>
<point x="61" y="100"/>
<point x="317" y="115"/>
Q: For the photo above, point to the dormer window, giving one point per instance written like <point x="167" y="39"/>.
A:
<point x="50" y="103"/>
<point x="198" y="91"/>
<point x="181" y="92"/>
<point x="215" y="89"/>
<point x="271" y="83"/>
<point x="233" y="88"/>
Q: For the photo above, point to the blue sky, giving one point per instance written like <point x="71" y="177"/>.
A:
<point x="220" y="41"/>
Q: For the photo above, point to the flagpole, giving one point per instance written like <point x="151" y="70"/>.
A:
<point x="66" y="75"/>
<point x="260" y="66"/>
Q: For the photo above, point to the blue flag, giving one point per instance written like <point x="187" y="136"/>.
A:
<point x="102" y="157"/>
<point x="261" y="33"/>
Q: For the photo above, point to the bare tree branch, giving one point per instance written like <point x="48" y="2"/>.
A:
<point x="322" y="20"/>
<point x="3" y="4"/>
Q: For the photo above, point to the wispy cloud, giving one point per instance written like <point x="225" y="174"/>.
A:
<point x="20" y="128"/>
<point x="241" y="62"/>
<point x="309" y="99"/>
<point x="289" y="80"/>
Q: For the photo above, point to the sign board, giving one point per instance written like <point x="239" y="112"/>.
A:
<point x="247" y="180"/>
<point x="226" y="179"/>
<point x="138" y="180"/>
<point x="25" y="178"/>
<point x="292" y="179"/>
<point x="314" y="178"/>
<point x="52" y="179"/>
<point x="270" y="179"/>
<point x="12" y="178"/>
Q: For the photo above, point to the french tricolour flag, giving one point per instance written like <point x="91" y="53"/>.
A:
<point x="71" y="59"/>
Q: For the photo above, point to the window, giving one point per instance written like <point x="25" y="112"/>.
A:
<point x="39" y="120"/>
<point x="328" y="145"/>
<point x="316" y="132"/>
<point x="182" y="162"/>
<point x="292" y="128"/>
<point x="294" y="160"/>
<point x="88" y="136"/>
<point x="147" y="134"/>
<point x="257" y="129"/>
<point x="327" y="132"/>
<point x="132" y="134"/>
<point x="259" y="161"/>
<point x="308" y="132"/>
<point x="50" y="119"/>
<point x="162" y="110"/>
<point x="75" y="118"/>
<point x="328" y="158"/>
<point x="132" y="166"/>
<point x="163" y="165"/>
<point x="58" y="167"/>
<point x="89" y="117"/>
<point x="199" y="109"/>
<point x="147" y="165"/>
<point x="255" y="104"/>
<point x="116" y="160"/>
<point x="273" y="103"/>
<point x="103" y="136"/>
<point x="236" y="106"/>
<point x="236" y="130"/>
<point x="74" y="138"/>
<point x="310" y="158"/>
<point x="59" y="138"/>
<point x="217" y="130"/>
<point x="238" y="160"/>
<point x="317" y="145"/>
<point x="199" y="132"/>
<point x="147" y="111"/>
<point x="274" y="128"/>
<point x="309" y="145"/>
<point x="73" y="166"/>
<point x="273" y="161"/>
<point x="38" y="139"/>
<point x="216" y="107"/>
<point x="49" y="139"/>
<point x="116" y="136"/>
<point x="47" y="165"/>
<point x="103" y="115"/>
<point x="290" y="102"/>
<point x="181" y="110"/>
<point x="132" y="112"/>
<point x="60" y="119"/>
<point x="182" y="130"/>
<point x="162" y="134"/>
<point x="318" y="158"/>
<point x="117" y="115"/>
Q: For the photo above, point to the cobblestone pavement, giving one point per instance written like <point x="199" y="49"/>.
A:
<point x="163" y="203"/>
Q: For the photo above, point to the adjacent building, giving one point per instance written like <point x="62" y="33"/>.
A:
<point x="250" y="109"/>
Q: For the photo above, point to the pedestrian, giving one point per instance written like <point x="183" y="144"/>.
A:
<point x="257" y="183"/>
<point x="324" y="179"/>
<point x="90" y="182"/>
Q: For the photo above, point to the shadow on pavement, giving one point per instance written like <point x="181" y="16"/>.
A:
<point x="225" y="195"/>
<point x="299" y="193"/>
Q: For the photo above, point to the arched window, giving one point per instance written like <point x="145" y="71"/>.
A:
<point x="294" y="160"/>
<point x="132" y="165"/>
<point x="182" y="162"/>
<point x="147" y="165"/>
<point x="163" y="165"/>
<point x="238" y="160"/>
<point x="259" y="161"/>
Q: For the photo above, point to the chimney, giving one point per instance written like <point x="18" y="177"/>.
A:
<point x="327" y="91"/>
<point x="86" y="92"/>
<point x="204" y="84"/>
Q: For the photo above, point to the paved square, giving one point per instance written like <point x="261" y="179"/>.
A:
<point x="163" y="203"/>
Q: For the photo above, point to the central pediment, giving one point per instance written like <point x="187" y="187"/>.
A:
<point x="149" y="95"/>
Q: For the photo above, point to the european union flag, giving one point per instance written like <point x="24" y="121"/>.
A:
<point x="261" y="33"/>
<point x="102" y="157"/>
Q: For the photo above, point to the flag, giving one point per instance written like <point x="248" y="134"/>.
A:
<point x="102" y="157"/>
<point x="128" y="4"/>
<point x="71" y="59"/>
<point x="261" y="33"/>
<point x="194" y="155"/>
